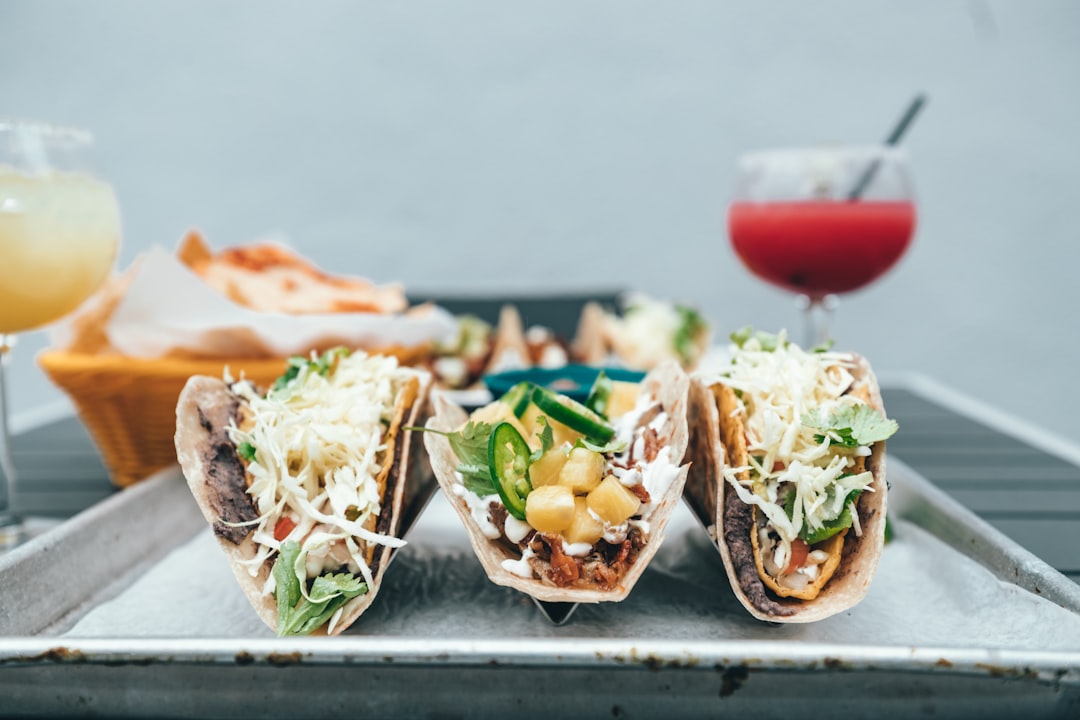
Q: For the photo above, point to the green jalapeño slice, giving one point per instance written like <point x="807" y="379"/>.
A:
<point x="518" y="397"/>
<point x="600" y="395"/>
<point x="573" y="415"/>
<point x="508" y="458"/>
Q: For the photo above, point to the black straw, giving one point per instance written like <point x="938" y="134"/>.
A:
<point x="894" y="138"/>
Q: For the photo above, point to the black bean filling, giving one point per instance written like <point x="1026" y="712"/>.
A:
<point x="227" y="481"/>
<point x="738" y="524"/>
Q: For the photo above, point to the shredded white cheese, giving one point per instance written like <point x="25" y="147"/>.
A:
<point x="318" y="445"/>
<point x="776" y="388"/>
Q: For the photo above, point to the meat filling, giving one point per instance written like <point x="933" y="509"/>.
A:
<point x="738" y="524"/>
<point x="227" y="481"/>
<point x="602" y="567"/>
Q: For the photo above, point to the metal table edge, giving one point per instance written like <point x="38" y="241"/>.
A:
<point x="1000" y="420"/>
<point x="782" y="656"/>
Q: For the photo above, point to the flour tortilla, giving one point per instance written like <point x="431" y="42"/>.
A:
<point x="206" y="455"/>
<point x="715" y="443"/>
<point x="591" y="344"/>
<point x="670" y="385"/>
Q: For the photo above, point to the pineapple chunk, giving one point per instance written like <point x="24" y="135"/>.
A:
<point x="612" y="501"/>
<point x="585" y="528"/>
<point x="562" y="434"/>
<point x="498" y="412"/>
<point x="559" y="432"/>
<point x="623" y="398"/>
<point x="545" y="471"/>
<point x="582" y="471"/>
<point x="550" y="508"/>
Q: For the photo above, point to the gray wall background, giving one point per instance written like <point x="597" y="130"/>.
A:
<point x="485" y="145"/>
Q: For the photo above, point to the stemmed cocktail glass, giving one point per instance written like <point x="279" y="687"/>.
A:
<point x="819" y="222"/>
<point x="59" y="234"/>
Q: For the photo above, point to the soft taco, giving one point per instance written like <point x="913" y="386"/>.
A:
<point x="562" y="500"/>
<point x="311" y="485"/>
<point x="789" y="475"/>
<point x="646" y="333"/>
<point x="478" y="348"/>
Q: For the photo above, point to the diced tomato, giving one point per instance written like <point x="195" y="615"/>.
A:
<point x="283" y="527"/>
<point x="799" y="551"/>
<point x="778" y="465"/>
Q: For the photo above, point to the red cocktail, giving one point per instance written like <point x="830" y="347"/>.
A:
<point x="822" y="221"/>
<point x="821" y="248"/>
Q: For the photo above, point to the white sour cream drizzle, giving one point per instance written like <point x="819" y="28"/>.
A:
<point x="516" y="530"/>
<point x="521" y="566"/>
<point x="580" y="549"/>
<point x="478" y="508"/>
<point x="658" y="476"/>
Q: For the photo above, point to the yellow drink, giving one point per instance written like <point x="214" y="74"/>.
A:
<point x="59" y="234"/>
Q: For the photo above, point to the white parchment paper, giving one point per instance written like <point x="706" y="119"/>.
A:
<point x="925" y="594"/>
<point x="168" y="309"/>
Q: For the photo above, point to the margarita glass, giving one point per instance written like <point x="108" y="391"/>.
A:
<point x="59" y="234"/>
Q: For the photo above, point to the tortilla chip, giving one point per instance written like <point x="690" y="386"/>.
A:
<point x="193" y="250"/>
<point x="508" y="348"/>
<point x="591" y="345"/>
<point x="271" y="278"/>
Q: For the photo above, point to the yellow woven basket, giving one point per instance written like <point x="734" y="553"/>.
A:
<point x="128" y="405"/>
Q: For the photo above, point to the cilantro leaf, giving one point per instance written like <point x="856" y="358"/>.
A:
<point x="329" y="359"/>
<point x="851" y="425"/>
<point x="768" y="341"/>
<point x="477" y="479"/>
<point x="295" y="364"/>
<point x="547" y="439"/>
<point x="321" y="364"/>
<point x="691" y="326"/>
<point x="247" y="451"/>
<point x="470" y="445"/>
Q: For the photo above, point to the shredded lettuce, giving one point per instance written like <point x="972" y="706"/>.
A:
<point x="828" y="528"/>
<point x="296" y="614"/>
<point x="286" y="584"/>
<point x="614" y="447"/>
<point x="322" y="364"/>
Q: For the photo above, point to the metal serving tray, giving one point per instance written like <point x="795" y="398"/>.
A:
<point x="129" y="609"/>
